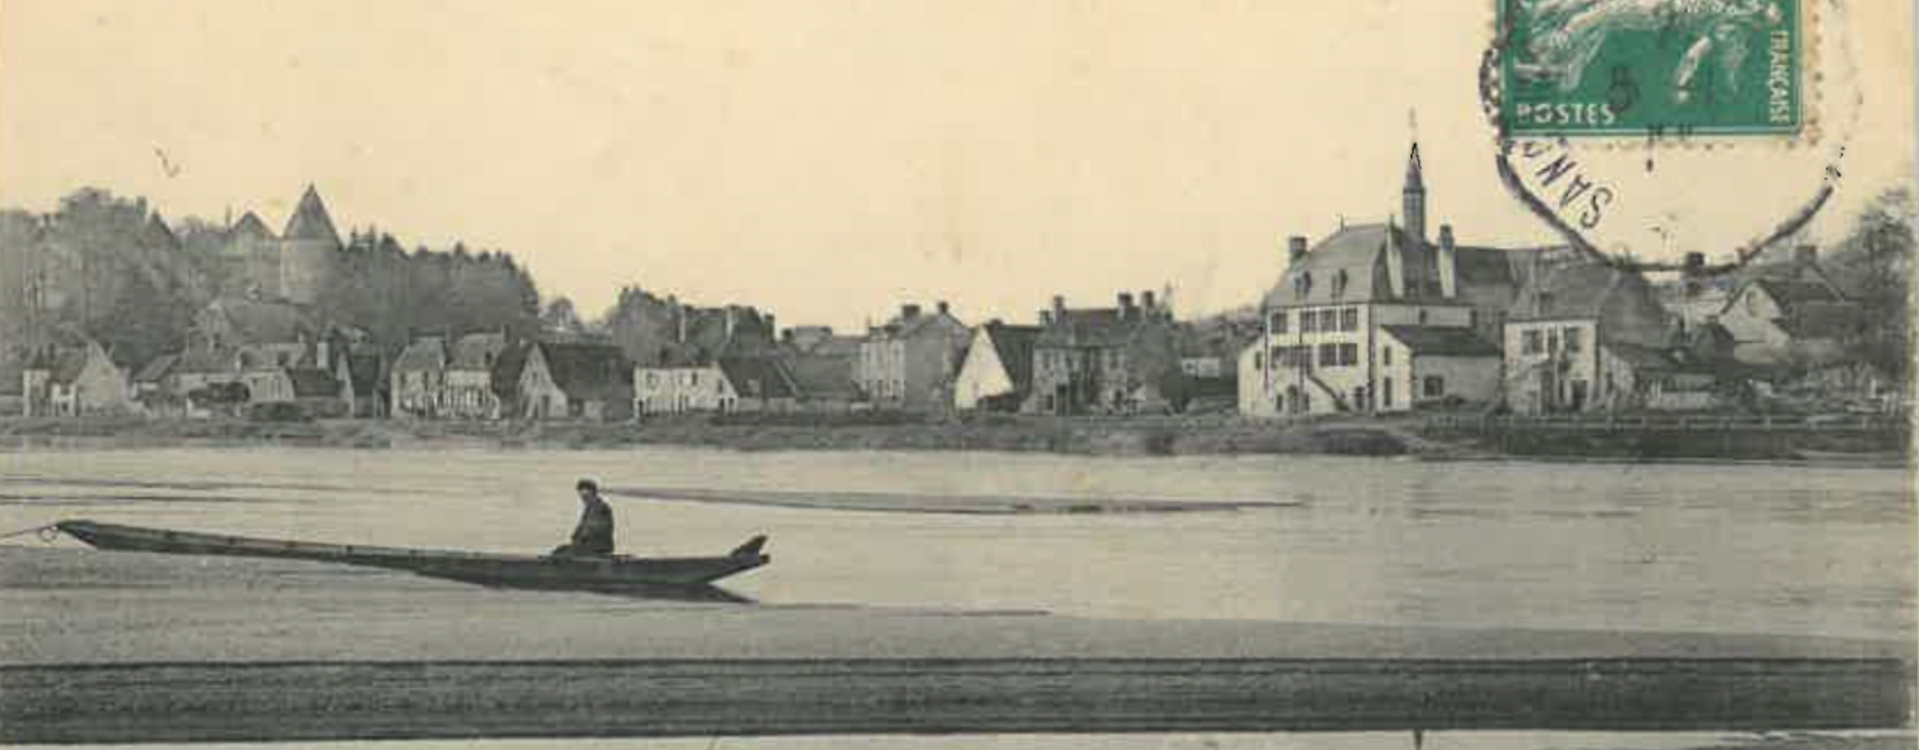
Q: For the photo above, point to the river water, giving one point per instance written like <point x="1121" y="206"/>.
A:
<point x="1715" y="548"/>
<point x="1711" y="548"/>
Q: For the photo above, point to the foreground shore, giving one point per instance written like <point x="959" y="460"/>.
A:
<point x="1407" y="436"/>
<point x="102" y="647"/>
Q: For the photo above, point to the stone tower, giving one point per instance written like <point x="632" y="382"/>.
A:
<point x="309" y="248"/>
<point x="1413" y="197"/>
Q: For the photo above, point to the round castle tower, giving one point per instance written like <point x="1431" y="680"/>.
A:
<point x="309" y="250"/>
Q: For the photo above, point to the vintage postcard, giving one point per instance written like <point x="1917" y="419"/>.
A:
<point x="1492" y="374"/>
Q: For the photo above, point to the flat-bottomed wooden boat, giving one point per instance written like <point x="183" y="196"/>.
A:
<point x="617" y="573"/>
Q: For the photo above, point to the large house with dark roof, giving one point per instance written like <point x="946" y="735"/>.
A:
<point x="1105" y="360"/>
<point x="1328" y="326"/>
<point x="1587" y="337"/>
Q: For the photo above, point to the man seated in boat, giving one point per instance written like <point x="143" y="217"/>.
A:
<point x="593" y="536"/>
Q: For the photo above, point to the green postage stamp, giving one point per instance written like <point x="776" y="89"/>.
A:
<point x="1652" y="67"/>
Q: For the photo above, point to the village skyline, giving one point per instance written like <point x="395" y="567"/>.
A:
<point x="1016" y="156"/>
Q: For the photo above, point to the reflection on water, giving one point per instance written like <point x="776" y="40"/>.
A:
<point x="1685" y="547"/>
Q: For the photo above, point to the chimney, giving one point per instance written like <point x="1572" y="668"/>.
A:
<point x="1295" y="248"/>
<point x="1149" y="300"/>
<point x="1692" y="271"/>
<point x="1125" y="305"/>
<point x="942" y="307"/>
<point x="909" y="311"/>
<point x="732" y="318"/>
<point x="786" y="336"/>
<point x="679" y="316"/>
<point x="1806" y="255"/>
<point x="1448" y="259"/>
<point x="1059" y="307"/>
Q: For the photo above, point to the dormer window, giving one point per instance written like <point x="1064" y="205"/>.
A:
<point x="1339" y="284"/>
<point x="1303" y="285"/>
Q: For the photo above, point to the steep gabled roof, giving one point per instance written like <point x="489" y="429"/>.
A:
<point x="588" y="371"/>
<point x="425" y="354"/>
<point x="310" y="220"/>
<point x="1571" y="291"/>
<point x="310" y="382"/>
<point x="1443" y="342"/>
<point x="262" y="322"/>
<point x="157" y="369"/>
<point x="1793" y="293"/>
<point x="1354" y="253"/>
<point x="1013" y="344"/>
<point x="759" y="377"/>
<point x="824" y="376"/>
<point x="477" y="351"/>
<point x="250" y="227"/>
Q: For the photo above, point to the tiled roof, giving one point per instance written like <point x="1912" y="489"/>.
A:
<point x="425" y="354"/>
<point x="477" y="351"/>
<point x="1444" y="342"/>
<point x="261" y="322"/>
<point x="589" y="371"/>
<point x="250" y="227"/>
<point x="759" y="377"/>
<point x="1641" y="357"/>
<point x="1576" y="290"/>
<point x="1093" y="327"/>
<point x="1014" y="346"/>
<point x="158" y="368"/>
<point x="311" y="382"/>
<point x="1792" y="293"/>
<point x="1824" y="320"/>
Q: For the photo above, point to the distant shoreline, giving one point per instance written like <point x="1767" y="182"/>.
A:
<point x="1388" y="437"/>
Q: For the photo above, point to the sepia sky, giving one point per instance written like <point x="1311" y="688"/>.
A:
<point x="826" y="159"/>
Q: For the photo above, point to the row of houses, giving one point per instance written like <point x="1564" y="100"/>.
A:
<point x="1378" y="318"/>
<point x="1374" y="318"/>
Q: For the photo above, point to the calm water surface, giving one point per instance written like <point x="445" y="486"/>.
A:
<point x="1667" y="547"/>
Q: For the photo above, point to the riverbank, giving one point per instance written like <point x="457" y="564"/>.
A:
<point x="1392" y="436"/>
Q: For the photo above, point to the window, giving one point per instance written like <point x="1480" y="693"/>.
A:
<point x="1349" y="319"/>
<point x="1339" y="284"/>
<point x="1552" y="340"/>
<point x="1259" y="360"/>
<point x="1422" y="317"/>
<point x="1572" y="339"/>
<point x="1386" y="355"/>
<point x="1279" y="322"/>
<point x="1328" y="355"/>
<point x="1348" y="354"/>
<point x="1386" y="396"/>
<point x="1529" y="342"/>
<point x="1308" y="321"/>
<point x="1435" y="386"/>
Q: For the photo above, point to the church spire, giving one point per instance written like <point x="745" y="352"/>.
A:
<point x="1413" y="197"/>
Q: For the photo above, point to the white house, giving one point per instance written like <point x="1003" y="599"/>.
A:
<point x="997" y="373"/>
<point x="724" y="385"/>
